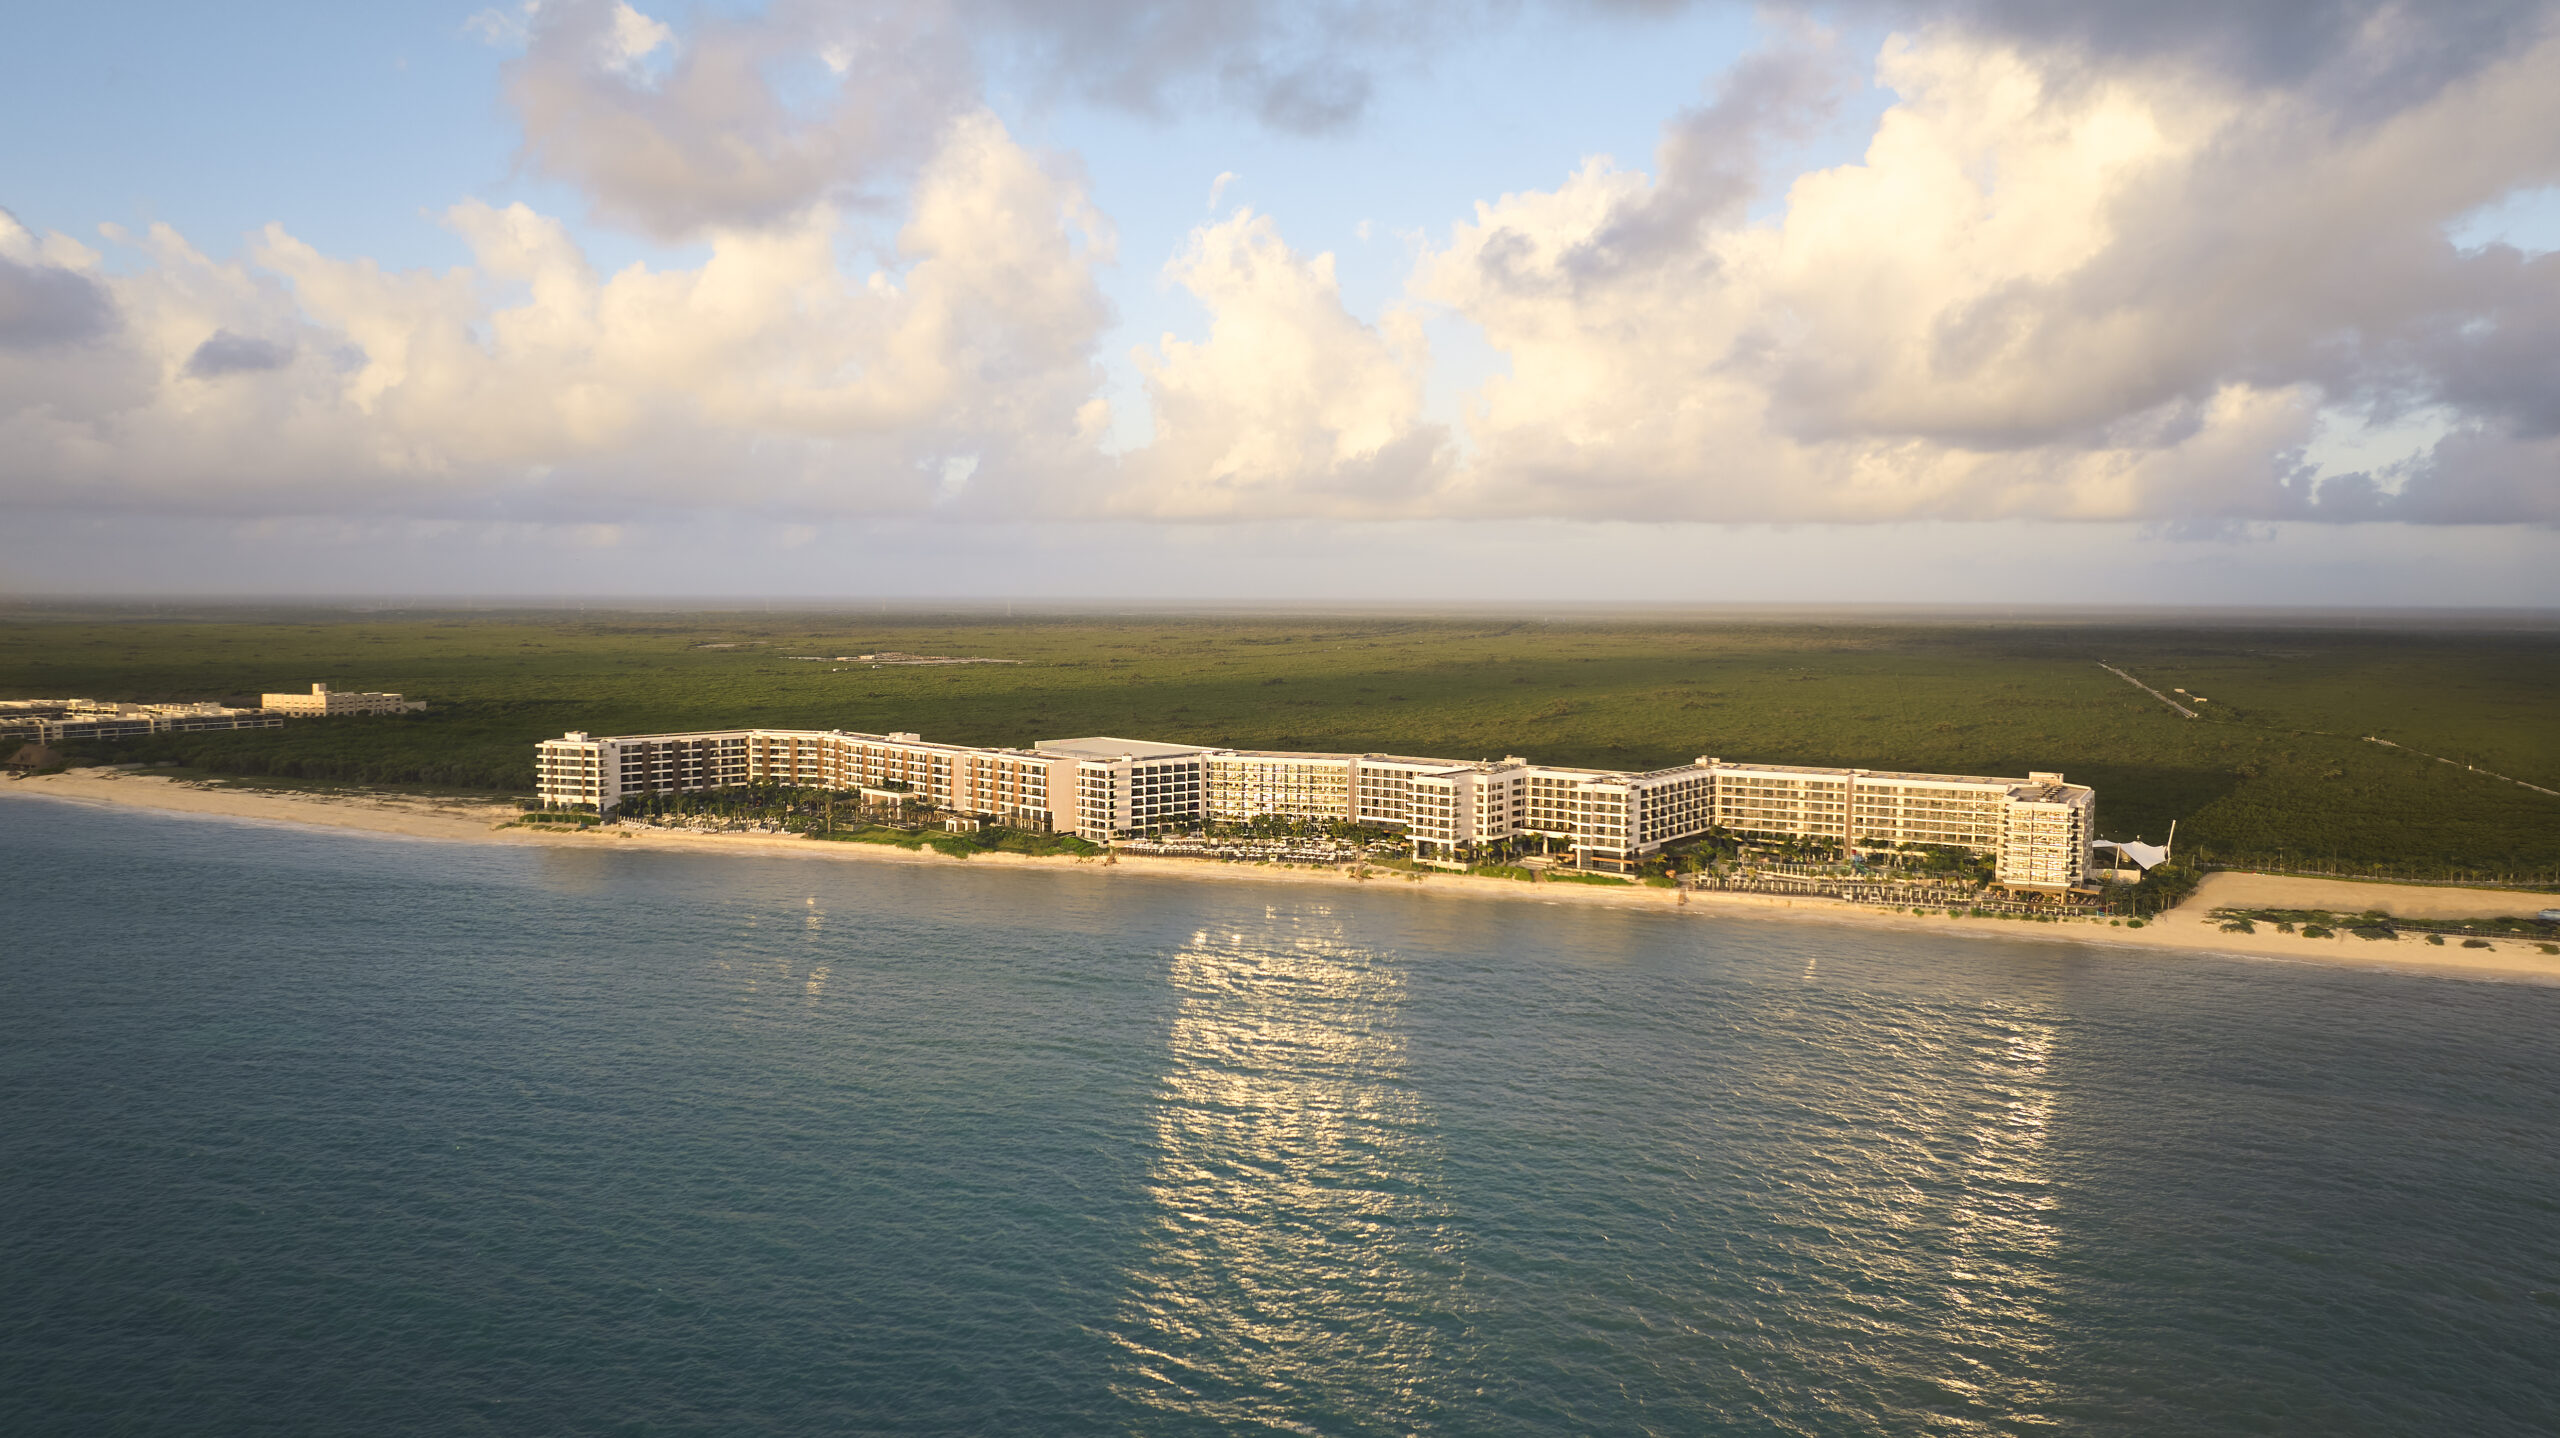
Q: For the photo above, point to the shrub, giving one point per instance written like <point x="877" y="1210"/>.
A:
<point x="2133" y="923"/>
<point x="2436" y="939"/>
<point x="2477" y="944"/>
<point x="2372" y="931"/>
<point x="876" y="835"/>
<point x="2315" y="931"/>
<point x="2238" y="926"/>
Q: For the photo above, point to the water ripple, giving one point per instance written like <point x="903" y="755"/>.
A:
<point x="309" y="1134"/>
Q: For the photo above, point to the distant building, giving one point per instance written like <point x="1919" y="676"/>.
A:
<point x="326" y="703"/>
<point x="51" y="721"/>
<point x="2039" y="830"/>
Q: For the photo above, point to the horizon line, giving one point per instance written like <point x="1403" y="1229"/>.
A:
<point x="2132" y="615"/>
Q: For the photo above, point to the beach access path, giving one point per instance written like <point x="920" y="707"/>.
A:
<point x="2189" y="928"/>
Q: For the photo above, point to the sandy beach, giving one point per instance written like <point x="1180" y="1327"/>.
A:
<point x="2187" y="929"/>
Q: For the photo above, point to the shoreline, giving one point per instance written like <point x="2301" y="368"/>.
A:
<point x="2185" y="929"/>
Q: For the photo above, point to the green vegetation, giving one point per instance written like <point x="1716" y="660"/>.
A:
<point x="961" y="846"/>
<point x="2278" y="775"/>
<point x="2373" y="923"/>
<point x="2162" y="889"/>
<point x="822" y="815"/>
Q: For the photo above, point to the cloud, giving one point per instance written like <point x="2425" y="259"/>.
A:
<point x="44" y="305"/>
<point x="226" y="353"/>
<point x="2042" y="293"/>
<point x="633" y="37"/>
<point x="1302" y="66"/>
<point x="750" y="119"/>
<point x="2363" y="58"/>
<point x="712" y="142"/>
<point x="1291" y="405"/>
<point x="2150" y="291"/>
<point x="530" y="385"/>
<point x="1710" y="162"/>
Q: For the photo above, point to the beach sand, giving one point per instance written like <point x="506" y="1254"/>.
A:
<point x="2186" y="929"/>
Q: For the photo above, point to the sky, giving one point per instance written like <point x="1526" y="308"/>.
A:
<point x="1983" y="301"/>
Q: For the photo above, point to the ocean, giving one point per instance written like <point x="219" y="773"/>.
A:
<point x="303" y="1132"/>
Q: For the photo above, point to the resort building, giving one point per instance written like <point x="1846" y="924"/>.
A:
<point x="2039" y="830"/>
<point x="51" y="721"/>
<point x="326" y="703"/>
<point x="1455" y="808"/>
<point x="1129" y="786"/>
<point x="1238" y="785"/>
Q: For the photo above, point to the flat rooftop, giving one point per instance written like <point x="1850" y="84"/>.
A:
<point x="1105" y="747"/>
<point x="1893" y="774"/>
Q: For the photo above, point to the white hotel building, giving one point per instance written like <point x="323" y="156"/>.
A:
<point x="2039" y="830"/>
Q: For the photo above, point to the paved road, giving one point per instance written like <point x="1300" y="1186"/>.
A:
<point x="2147" y="689"/>
<point x="2474" y="768"/>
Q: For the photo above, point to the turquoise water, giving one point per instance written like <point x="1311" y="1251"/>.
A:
<point x="310" y="1133"/>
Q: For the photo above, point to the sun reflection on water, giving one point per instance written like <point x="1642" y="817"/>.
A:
<point x="2000" y="1232"/>
<point x="1300" y="1252"/>
<point x="1911" y="1208"/>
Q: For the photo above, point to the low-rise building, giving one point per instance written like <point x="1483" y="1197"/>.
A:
<point x="324" y="702"/>
<point x="51" y="721"/>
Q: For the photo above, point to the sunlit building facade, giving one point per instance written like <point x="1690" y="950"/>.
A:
<point x="324" y="702"/>
<point x="53" y="721"/>
<point x="2040" y="831"/>
<point x="1240" y="785"/>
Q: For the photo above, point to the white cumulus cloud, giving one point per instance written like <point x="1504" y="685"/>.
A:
<point x="529" y="380"/>
<point x="2063" y="282"/>
<point x="2044" y="292"/>
<point x="1291" y="404"/>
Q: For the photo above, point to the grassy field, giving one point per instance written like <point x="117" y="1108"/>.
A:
<point x="2279" y="773"/>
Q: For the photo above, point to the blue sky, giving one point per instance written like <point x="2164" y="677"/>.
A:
<point x="355" y="125"/>
<point x="1423" y="326"/>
